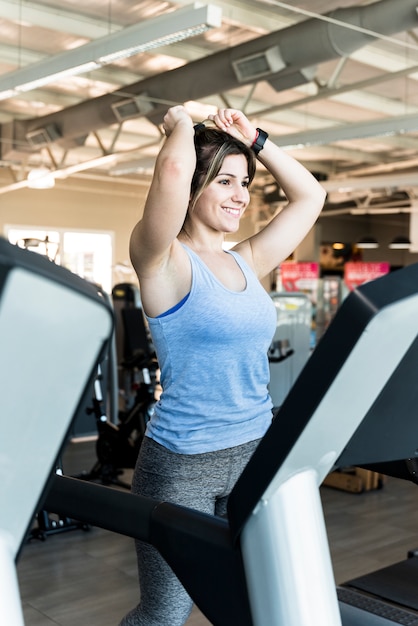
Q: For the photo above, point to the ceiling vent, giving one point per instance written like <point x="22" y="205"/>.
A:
<point x="258" y="65"/>
<point x="43" y="136"/>
<point x="132" y="107"/>
<point x="290" y="80"/>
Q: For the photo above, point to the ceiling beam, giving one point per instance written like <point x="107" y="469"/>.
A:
<point x="371" y="128"/>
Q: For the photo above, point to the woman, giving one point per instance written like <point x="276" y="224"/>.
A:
<point x="211" y="321"/>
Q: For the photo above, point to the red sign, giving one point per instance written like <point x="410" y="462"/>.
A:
<point x="301" y="277"/>
<point x="356" y="274"/>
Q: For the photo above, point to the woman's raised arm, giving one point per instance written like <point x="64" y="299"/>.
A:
<point x="168" y="196"/>
<point x="276" y="241"/>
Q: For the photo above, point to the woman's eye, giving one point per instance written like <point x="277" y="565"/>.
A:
<point x="227" y="181"/>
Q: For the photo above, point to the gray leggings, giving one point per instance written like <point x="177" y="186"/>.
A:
<point x="198" y="481"/>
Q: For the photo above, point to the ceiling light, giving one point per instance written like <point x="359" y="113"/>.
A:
<point x="146" y="35"/>
<point x="41" y="178"/>
<point x="56" y="76"/>
<point x="367" y="243"/>
<point x="400" y="243"/>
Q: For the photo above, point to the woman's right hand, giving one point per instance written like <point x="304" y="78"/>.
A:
<point x="173" y="116"/>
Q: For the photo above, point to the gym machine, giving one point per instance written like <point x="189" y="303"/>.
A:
<point x="132" y="366"/>
<point x="269" y="561"/>
<point x="292" y="338"/>
<point x="53" y="329"/>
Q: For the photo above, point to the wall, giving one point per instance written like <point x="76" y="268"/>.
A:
<point x="78" y="204"/>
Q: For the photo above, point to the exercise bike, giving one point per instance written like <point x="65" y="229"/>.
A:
<point x="117" y="445"/>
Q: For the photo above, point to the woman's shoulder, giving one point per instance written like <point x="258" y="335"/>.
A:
<point x="243" y="251"/>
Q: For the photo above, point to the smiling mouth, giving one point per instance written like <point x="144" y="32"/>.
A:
<point x="234" y="212"/>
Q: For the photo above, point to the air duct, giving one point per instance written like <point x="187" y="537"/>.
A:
<point x="292" y="53"/>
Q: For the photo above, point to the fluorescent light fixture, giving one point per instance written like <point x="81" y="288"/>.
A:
<point x="44" y="80"/>
<point x="149" y="34"/>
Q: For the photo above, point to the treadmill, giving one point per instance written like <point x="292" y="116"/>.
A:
<point x="268" y="563"/>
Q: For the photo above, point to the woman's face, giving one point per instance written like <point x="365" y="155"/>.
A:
<point x="225" y="199"/>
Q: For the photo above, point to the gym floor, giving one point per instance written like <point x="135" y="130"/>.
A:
<point x="88" y="577"/>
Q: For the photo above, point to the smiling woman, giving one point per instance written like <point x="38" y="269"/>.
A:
<point x="226" y="194"/>
<point x="210" y="319"/>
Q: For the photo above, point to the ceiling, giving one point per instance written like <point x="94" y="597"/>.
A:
<point x="344" y="101"/>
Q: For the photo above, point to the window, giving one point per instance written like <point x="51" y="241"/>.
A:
<point x="88" y="254"/>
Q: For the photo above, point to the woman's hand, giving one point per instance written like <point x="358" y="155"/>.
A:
<point x="173" y="116"/>
<point x="235" y="123"/>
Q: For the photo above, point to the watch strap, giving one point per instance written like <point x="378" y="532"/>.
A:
<point x="259" y="141"/>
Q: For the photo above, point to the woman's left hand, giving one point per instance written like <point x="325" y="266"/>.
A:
<point x="235" y="123"/>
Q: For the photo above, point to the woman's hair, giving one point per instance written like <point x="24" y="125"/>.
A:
<point x="212" y="146"/>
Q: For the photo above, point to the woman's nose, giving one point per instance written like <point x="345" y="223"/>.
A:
<point x="240" y="193"/>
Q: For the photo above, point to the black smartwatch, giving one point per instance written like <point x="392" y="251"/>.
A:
<point x="259" y="141"/>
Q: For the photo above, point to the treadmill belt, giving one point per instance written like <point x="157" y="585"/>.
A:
<point x="397" y="583"/>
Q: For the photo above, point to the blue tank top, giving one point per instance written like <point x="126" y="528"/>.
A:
<point x="212" y="353"/>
